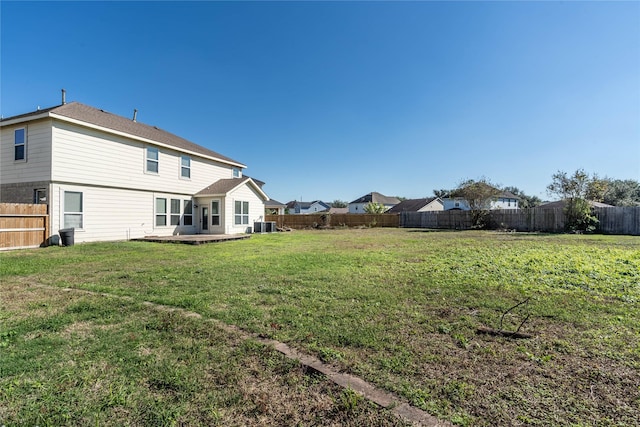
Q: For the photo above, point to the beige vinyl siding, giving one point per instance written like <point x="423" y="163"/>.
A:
<point x="433" y="206"/>
<point x="256" y="208"/>
<point x="113" y="214"/>
<point x="90" y="156"/>
<point x="212" y="229"/>
<point x="37" y="166"/>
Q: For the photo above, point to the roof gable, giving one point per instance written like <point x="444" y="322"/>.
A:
<point x="223" y="187"/>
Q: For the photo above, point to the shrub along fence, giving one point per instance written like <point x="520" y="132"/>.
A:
<point x="23" y="225"/>
<point x="335" y="220"/>
<point x="615" y="220"/>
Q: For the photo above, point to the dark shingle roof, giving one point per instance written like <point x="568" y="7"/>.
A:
<point x="273" y="203"/>
<point x="410" y="205"/>
<point x="221" y="186"/>
<point x="563" y="203"/>
<point x="97" y="117"/>
<point x="377" y="198"/>
<point x="508" y="195"/>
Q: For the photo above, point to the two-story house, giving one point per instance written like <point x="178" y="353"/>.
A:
<point x="502" y="200"/>
<point x="113" y="178"/>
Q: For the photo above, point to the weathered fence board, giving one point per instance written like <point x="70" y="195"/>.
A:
<point x="335" y="220"/>
<point x="619" y="220"/>
<point x="23" y="225"/>
<point x="614" y="220"/>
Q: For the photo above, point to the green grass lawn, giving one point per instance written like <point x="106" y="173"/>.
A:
<point x="397" y="307"/>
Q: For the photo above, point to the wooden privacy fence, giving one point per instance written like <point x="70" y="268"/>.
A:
<point x="335" y="220"/>
<point x="614" y="220"/>
<point x="23" y="225"/>
<point x="619" y="220"/>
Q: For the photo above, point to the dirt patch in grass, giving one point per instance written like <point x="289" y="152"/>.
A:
<point x="131" y="364"/>
<point x="475" y="379"/>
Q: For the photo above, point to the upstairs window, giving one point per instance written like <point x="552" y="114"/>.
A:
<point x="185" y="167"/>
<point x="236" y="173"/>
<point x="20" y="145"/>
<point x="241" y="213"/>
<point x="152" y="160"/>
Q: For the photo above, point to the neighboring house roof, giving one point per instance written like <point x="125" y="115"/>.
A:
<point x="411" y="205"/>
<point x="320" y="202"/>
<point x="76" y="112"/>
<point x="498" y="193"/>
<point x="273" y="204"/>
<point x="305" y="205"/>
<point x="508" y="195"/>
<point x="225" y="186"/>
<point x="339" y="210"/>
<point x="377" y="198"/>
<point x="563" y="203"/>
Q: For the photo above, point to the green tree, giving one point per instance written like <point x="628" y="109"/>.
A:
<point x="479" y="195"/>
<point x="375" y="208"/>
<point x="339" y="204"/>
<point x="597" y="188"/>
<point x="443" y="192"/>
<point x="622" y="192"/>
<point x="574" y="190"/>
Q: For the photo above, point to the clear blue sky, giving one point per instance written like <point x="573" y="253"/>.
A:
<point x="333" y="100"/>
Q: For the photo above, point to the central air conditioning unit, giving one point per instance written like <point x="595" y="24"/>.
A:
<point x="264" y="227"/>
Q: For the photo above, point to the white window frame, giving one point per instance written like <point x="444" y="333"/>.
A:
<point x="23" y="144"/>
<point x="158" y="214"/>
<point x="185" y="170"/>
<point x="217" y="216"/>
<point x="175" y="214"/>
<point x="65" y="212"/>
<point x="242" y="217"/>
<point x="236" y="173"/>
<point x="187" y="213"/>
<point x="149" y="160"/>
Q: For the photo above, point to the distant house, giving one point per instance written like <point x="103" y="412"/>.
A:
<point x="316" y="206"/>
<point x="418" y="205"/>
<point x="562" y="203"/>
<point x="274" y="207"/>
<point x="504" y="200"/>
<point x="358" y="205"/>
<point x="112" y="178"/>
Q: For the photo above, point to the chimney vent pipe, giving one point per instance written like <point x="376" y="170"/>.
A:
<point x="135" y="114"/>
<point x="64" y="96"/>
